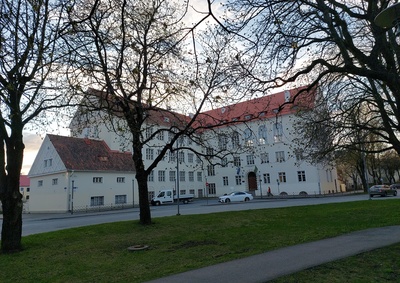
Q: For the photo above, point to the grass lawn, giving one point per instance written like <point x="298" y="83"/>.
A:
<point x="179" y="243"/>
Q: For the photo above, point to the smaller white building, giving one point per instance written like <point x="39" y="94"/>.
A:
<point x="74" y="174"/>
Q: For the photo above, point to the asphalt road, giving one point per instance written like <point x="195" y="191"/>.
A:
<point x="40" y="223"/>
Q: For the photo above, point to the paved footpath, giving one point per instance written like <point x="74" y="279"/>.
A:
<point x="273" y="264"/>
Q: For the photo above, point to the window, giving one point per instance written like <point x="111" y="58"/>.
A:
<point x="97" y="179"/>
<point x="301" y="176"/>
<point x="161" y="176"/>
<point x="172" y="176"/>
<point x="248" y="138"/>
<point x="224" y="162"/>
<point x="95" y="132"/>
<point x="299" y="155"/>
<point x="149" y="132"/>
<point x="225" y="181"/>
<point x="210" y="152"/>
<point x="172" y="156"/>
<point x="210" y="170"/>
<point x="329" y="176"/>
<point x="150" y="178"/>
<point x="222" y="142"/>
<point x="190" y="157"/>
<point x="235" y="139"/>
<point x="211" y="189"/>
<point x="170" y="136"/>
<point x="262" y="134"/>
<point x="282" y="177"/>
<point x="264" y="158"/>
<point x="160" y="135"/>
<point x="238" y="180"/>
<point x="54" y="182"/>
<point x="236" y="161"/>
<point x="48" y="162"/>
<point x="149" y="154"/>
<point x="120" y="179"/>
<point x="199" y="177"/>
<point x="40" y="183"/>
<point x="97" y="201"/>
<point x="280" y="156"/>
<point x="267" y="178"/>
<point x="181" y="141"/>
<point x="182" y="176"/>
<point x="191" y="176"/>
<point x="120" y="199"/>
<point x="181" y="157"/>
<point x="250" y="159"/>
<point x="278" y="132"/>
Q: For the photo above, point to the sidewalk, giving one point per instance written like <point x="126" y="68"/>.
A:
<point x="271" y="265"/>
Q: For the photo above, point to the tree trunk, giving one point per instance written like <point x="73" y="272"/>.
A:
<point x="11" y="231"/>
<point x="141" y="177"/>
<point x="11" y="198"/>
<point x="144" y="205"/>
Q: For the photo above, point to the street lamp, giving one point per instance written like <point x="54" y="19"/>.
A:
<point x="389" y="18"/>
<point x="177" y="180"/>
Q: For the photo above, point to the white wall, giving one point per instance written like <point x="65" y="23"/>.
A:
<point x="59" y="198"/>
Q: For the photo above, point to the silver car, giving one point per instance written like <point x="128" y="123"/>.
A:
<point x="382" y="190"/>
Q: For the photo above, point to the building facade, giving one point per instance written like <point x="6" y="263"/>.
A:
<point x="253" y="142"/>
<point x="72" y="174"/>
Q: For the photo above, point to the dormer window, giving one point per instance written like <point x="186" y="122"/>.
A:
<point x="103" y="158"/>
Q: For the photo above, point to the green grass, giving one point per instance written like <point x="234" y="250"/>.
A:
<point x="179" y="243"/>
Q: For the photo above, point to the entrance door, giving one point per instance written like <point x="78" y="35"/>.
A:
<point x="252" y="181"/>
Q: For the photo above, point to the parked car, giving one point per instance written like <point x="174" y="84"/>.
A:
<point x="382" y="190"/>
<point x="395" y="186"/>
<point x="236" y="196"/>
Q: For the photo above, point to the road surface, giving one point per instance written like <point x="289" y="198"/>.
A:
<point x="40" y="223"/>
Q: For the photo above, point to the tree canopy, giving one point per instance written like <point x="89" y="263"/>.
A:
<point x="334" y="45"/>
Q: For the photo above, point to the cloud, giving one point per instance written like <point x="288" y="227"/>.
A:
<point x="32" y="143"/>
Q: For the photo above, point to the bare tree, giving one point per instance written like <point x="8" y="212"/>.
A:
<point x="334" y="45"/>
<point x="148" y="67"/>
<point x="30" y="64"/>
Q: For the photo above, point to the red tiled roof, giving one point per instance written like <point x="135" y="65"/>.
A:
<point x="155" y="115"/>
<point x="263" y="107"/>
<point x="24" y="181"/>
<point x="285" y="102"/>
<point x="90" y="155"/>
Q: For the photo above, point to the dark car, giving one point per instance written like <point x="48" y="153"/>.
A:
<point x="395" y="186"/>
<point x="382" y="190"/>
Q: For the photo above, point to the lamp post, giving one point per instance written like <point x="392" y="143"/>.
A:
<point x="177" y="179"/>
<point x="72" y="197"/>
<point x="277" y="181"/>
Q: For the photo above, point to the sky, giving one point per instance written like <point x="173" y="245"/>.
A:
<point x="33" y="141"/>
